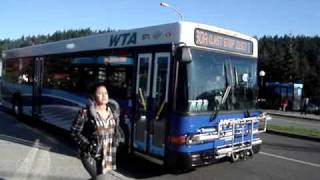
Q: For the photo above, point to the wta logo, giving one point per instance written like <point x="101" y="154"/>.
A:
<point x="123" y="39"/>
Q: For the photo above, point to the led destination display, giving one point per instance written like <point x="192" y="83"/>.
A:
<point x="220" y="41"/>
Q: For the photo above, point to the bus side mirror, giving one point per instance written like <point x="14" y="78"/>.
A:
<point x="186" y="55"/>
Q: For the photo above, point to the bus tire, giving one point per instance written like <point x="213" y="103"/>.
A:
<point x="176" y="163"/>
<point x="256" y="148"/>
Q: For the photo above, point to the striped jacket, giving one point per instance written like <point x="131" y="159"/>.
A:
<point x="84" y="130"/>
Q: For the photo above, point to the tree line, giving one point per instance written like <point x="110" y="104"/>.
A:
<point x="284" y="58"/>
<point x="40" y="39"/>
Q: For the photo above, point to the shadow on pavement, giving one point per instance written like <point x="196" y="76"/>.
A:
<point x="31" y="133"/>
<point x="138" y="168"/>
<point x="135" y="167"/>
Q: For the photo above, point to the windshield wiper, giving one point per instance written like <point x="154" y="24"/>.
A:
<point x="223" y="101"/>
<point x="225" y="95"/>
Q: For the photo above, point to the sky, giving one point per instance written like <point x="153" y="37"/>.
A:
<point x="252" y="17"/>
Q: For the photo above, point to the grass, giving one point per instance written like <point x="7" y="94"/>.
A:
<point x="294" y="130"/>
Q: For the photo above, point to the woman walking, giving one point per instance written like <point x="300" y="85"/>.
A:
<point x="95" y="131"/>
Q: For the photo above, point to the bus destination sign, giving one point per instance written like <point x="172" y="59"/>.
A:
<point x="223" y="42"/>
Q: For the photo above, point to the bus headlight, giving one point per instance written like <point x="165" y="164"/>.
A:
<point x="201" y="138"/>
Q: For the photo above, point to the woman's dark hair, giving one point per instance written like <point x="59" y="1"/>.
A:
<point x="93" y="89"/>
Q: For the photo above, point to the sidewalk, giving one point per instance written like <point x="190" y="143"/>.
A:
<point x="113" y="175"/>
<point x="296" y="120"/>
<point x="293" y="114"/>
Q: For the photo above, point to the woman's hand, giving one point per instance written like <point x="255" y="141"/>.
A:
<point x="94" y="149"/>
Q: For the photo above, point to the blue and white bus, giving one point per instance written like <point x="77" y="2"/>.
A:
<point x="187" y="91"/>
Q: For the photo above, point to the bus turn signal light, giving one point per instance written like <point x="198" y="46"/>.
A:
<point x="177" y="140"/>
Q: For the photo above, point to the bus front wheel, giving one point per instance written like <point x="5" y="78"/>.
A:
<point x="256" y="148"/>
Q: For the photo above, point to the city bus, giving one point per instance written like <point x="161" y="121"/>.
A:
<point x="187" y="91"/>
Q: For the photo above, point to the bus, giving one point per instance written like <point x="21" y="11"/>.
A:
<point x="187" y="91"/>
<point x="275" y="92"/>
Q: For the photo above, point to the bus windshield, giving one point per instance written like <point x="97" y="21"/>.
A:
<point x="216" y="81"/>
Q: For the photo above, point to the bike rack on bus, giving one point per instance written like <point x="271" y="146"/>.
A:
<point x="238" y="125"/>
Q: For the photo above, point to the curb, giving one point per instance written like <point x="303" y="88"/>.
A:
<point x="293" y="116"/>
<point x="293" y="135"/>
<point x="112" y="176"/>
<point x="119" y="176"/>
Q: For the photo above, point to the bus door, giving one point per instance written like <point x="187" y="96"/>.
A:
<point x="152" y="96"/>
<point x="37" y="85"/>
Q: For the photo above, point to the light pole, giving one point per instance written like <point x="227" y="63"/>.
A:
<point x="262" y="74"/>
<point x="167" y="5"/>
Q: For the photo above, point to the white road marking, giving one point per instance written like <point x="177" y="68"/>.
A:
<point x="36" y="164"/>
<point x="42" y="165"/>
<point x="290" y="159"/>
<point x="26" y="165"/>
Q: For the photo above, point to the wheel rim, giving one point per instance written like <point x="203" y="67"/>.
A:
<point x="234" y="157"/>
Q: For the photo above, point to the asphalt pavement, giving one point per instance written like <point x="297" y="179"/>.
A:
<point x="280" y="158"/>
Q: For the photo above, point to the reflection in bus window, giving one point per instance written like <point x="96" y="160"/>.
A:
<point x="19" y="71"/>
<point x="11" y="71"/>
<point x="62" y="73"/>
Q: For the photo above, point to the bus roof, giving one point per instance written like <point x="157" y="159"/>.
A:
<point x="186" y="33"/>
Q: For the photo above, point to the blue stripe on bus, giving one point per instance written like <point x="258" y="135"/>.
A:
<point x="55" y="96"/>
<point x="52" y="96"/>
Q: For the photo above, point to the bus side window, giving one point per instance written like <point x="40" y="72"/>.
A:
<point x="25" y="71"/>
<point x="11" y="71"/>
<point x="56" y="73"/>
<point x="81" y="78"/>
<point x="119" y="81"/>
